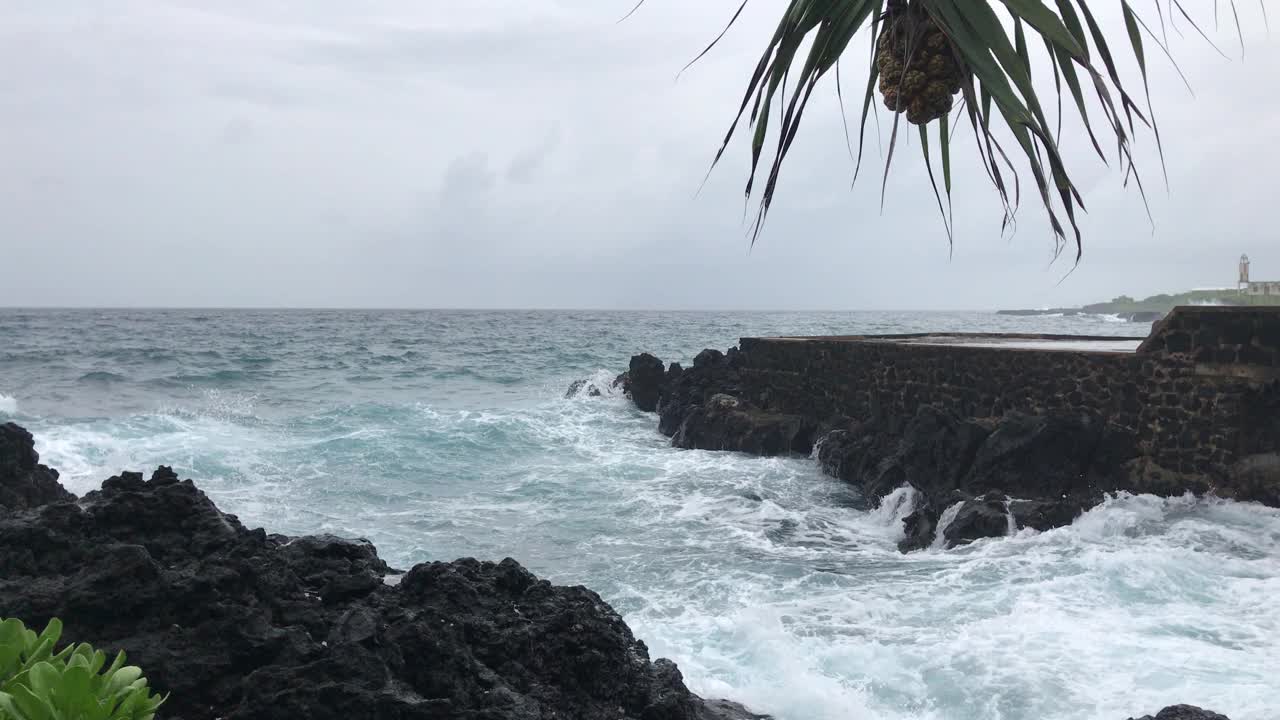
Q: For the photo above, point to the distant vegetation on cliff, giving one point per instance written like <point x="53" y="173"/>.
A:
<point x="1156" y="306"/>
<point x="1165" y="303"/>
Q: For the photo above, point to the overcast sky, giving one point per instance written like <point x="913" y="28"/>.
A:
<point x="536" y="153"/>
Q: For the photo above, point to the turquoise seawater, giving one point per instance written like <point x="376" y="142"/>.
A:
<point x="442" y="434"/>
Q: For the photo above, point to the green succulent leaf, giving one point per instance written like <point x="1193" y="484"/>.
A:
<point x="43" y="678"/>
<point x="30" y="705"/>
<point x="37" y="683"/>
<point x="123" y="678"/>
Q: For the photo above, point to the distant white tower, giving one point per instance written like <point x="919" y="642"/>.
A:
<point x="1244" y="273"/>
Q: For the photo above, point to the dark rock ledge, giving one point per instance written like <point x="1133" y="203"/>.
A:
<point x="241" y="625"/>
<point x="974" y="478"/>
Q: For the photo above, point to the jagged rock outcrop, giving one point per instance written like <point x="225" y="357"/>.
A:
<point x="243" y="625"/>
<point x="1043" y="469"/>
<point x="1043" y="514"/>
<point x="713" y="373"/>
<point x="24" y="482"/>
<point x="1050" y="456"/>
<point x="580" y="387"/>
<point x="645" y="379"/>
<point x="1183" y="712"/>
<point x="725" y="422"/>
<point x="920" y="528"/>
<point x="977" y="518"/>
<point x="932" y="453"/>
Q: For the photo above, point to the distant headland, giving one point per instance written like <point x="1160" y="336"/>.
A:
<point x="1150" y="309"/>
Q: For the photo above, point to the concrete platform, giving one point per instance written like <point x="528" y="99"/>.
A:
<point x="1084" y="344"/>
<point x="1006" y="341"/>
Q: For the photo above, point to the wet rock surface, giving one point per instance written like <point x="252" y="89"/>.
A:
<point x="1044" y="471"/>
<point x="725" y="422"/>
<point x="645" y="379"/>
<point x="1183" y="712"/>
<point x="24" y="482"/>
<point x="240" y="624"/>
<point x="688" y="390"/>
<point x="581" y="387"/>
<point x="919" y="528"/>
<point x="977" y="518"/>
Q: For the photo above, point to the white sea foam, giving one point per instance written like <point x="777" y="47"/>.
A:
<point x="8" y="405"/>
<point x="944" y="521"/>
<point x="601" y="382"/>
<point x="1127" y="611"/>
<point x="886" y="519"/>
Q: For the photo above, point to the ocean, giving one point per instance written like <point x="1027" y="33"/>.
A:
<point x="445" y="434"/>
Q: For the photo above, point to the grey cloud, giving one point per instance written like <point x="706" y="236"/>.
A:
<point x="467" y="182"/>
<point x="237" y="131"/>
<point x="524" y="166"/>
<point x="535" y="153"/>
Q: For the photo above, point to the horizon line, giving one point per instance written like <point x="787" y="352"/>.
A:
<point x="391" y="308"/>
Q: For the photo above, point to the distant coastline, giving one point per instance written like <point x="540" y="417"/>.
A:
<point x="1154" y="307"/>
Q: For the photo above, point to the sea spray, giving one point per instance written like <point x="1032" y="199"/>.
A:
<point x="944" y="521"/>
<point x="895" y="507"/>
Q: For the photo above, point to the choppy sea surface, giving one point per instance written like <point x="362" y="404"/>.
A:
<point x="442" y="434"/>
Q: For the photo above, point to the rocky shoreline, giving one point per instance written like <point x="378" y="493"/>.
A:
<point x="970" y="478"/>
<point x="240" y="624"/>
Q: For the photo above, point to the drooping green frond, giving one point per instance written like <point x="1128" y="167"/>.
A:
<point x="983" y="55"/>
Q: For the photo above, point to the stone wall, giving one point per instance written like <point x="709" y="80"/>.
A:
<point x="1188" y="415"/>
<point x="1248" y="337"/>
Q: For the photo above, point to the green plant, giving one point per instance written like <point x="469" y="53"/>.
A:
<point x="37" y="683"/>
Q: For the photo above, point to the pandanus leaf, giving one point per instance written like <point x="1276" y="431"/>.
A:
<point x="998" y="85"/>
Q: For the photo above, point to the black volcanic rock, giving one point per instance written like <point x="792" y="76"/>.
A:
<point x="24" y="482"/>
<point x="1038" y="456"/>
<point x="241" y="625"/>
<point x="975" y="518"/>
<point x="1053" y="466"/>
<point x="933" y="453"/>
<point x="645" y="379"/>
<point x="1183" y="712"/>
<point x="978" y="518"/>
<point x="688" y="389"/>
<point x="674" y="371"/>
<point x="1044" y="514"/>
<point x="837" y="454"/>
<point x="707" y="359"/>
<point x="725" y="422"/>
<point x="919" y="528"/>
<point x="861" y="454"/>
<point x="579" y="387"/>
